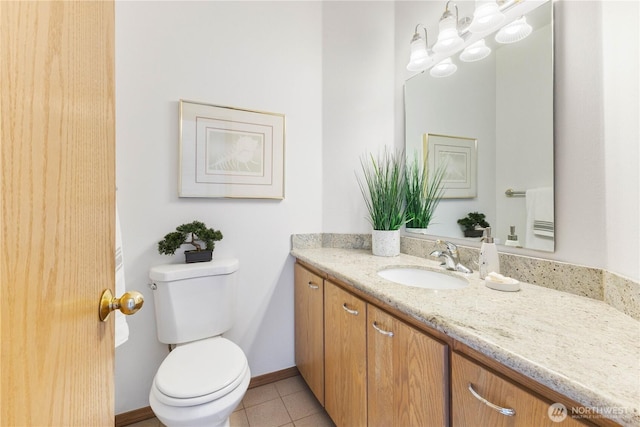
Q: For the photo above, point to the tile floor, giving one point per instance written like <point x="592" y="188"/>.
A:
<point x="287" y="402"/>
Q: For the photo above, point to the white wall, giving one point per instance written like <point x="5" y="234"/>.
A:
<point x="264" y="56"/>
<point x="579" y="143"/>
<point x="358" y="103"/>
<point x="336" y="69"/>
<point x="621" y="48"/>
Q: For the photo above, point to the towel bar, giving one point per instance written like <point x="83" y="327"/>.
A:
<point x="512" y="193"/>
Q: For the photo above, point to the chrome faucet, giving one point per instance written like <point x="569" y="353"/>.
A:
<point x="450" y="258"/>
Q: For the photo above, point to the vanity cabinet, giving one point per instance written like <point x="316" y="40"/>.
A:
<point x="372" y="365"/>
<point x="479" y="396"/>
<point x="379" y="371"/>
<point x="407" y="374"/>
<point x="345" y="356"/>
<point x="309" y="328"/>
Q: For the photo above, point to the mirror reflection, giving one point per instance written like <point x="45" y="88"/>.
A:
<point x="493" y="122"/>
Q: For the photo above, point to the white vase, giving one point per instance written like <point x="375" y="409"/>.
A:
<point x="385" y="242"/>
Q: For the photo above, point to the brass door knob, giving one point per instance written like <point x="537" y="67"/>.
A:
<point x="129" y="303"/>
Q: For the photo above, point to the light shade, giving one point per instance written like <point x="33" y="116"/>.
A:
<point x="419" y="59"/>
<point x="475" y="52"/>
<point x="514" y="32"/>
<point x="443" y="69"/>
<point x="449" y="39"/>
<point x="486" y="18"/>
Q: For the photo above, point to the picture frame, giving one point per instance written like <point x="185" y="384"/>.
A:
<point x="459" y="155"/>
<point x="230" y="152"/>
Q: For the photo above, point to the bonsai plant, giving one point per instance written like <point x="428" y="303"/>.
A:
<point x="191" y="234"/>
<point x="383" y="189"/>
<point x="423" y="193"/>
<point x="473" y="224"/>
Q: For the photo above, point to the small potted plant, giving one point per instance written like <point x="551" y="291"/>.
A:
<point x="473" y="224"/>
<point x="383" y="190"/>
<point x="196" y="234"/>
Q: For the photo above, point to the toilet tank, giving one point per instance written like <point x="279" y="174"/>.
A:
<point x="194" y="301"/>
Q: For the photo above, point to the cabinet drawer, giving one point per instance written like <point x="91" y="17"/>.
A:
<point x="478" y="395"/>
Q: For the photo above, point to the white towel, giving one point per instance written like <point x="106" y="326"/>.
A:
<point x="539" y="231"/>
<point x="122" y="329"/>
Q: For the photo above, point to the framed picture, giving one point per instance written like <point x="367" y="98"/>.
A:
<point x="459" y="157"/>
<point x="230" y="152"/>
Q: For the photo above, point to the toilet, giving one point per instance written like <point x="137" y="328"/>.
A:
<point x="204" y="378"/>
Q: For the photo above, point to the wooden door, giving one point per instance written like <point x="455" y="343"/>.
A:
<point x="58" y="192"/>
<point x="309" y="329"/>
<point x="345" y="357"/>
<point x="407" y="374"/>
<point x="470" y="410"/>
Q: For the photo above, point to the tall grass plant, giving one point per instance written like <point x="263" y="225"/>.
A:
<point x="423" y="192"/>
<point x="383" y="187"/>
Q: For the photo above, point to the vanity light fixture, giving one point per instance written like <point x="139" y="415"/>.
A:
<point x="514" y="32"/>
<point x="444" y="68"/>
<point x="449" y="39"/>
<point x="487" y="17"/>
<point x="475" y="52"/>
<point x="456" y="33"/>
<point x="419" y="59"/>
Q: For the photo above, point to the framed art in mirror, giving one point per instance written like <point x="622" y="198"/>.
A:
<point x="230" y="152"/>
<point x="459" y="157"/>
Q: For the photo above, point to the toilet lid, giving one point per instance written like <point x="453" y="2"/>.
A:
<point x="200" y="368"/>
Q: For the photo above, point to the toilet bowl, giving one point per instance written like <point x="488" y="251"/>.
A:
<point x="200" y="384"/>
<point x="204" y="378"/>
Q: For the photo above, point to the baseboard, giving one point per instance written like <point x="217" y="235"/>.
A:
<point x="134" y="416"/>
<point x="141" y="414"/>
<point x="273" y="377"/>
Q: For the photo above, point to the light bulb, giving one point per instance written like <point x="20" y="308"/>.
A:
<point x="444" y="68"/>
<point x="514" y="32"/>
<point x="419" y="59"/>
<point x="448" y="38"/>
<point x="486" y="18"/>
<point x="475" y="52"/>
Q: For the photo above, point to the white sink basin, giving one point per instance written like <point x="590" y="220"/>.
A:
<point x="420" y="278"/>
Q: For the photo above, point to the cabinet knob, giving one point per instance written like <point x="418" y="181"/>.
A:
<point x="504" y="411"/>
<point x="313" y="285"/>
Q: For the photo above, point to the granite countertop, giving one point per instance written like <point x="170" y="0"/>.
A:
<point x="577" y="346"/>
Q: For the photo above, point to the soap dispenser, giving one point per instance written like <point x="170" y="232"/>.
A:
<point x="512" y="238"/>
<point x="488" y="261"/>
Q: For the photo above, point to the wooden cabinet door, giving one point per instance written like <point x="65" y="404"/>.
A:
<point x="309" y="329"/>
<point x="345" y="357"/>
<point x="407" y="374"/>
<point x="469" y="410"/>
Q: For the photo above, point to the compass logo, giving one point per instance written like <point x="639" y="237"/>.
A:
<point x="557" y="412"/>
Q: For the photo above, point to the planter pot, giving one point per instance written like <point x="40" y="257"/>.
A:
<point x="385" y="242"/>
<point x="473" y="233"/>
<point x="198" y="256"/>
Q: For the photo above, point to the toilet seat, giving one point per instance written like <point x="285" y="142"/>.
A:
<point x="200" y="372"/>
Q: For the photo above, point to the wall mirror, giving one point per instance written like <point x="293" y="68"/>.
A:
<point x="504" y="103"/>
